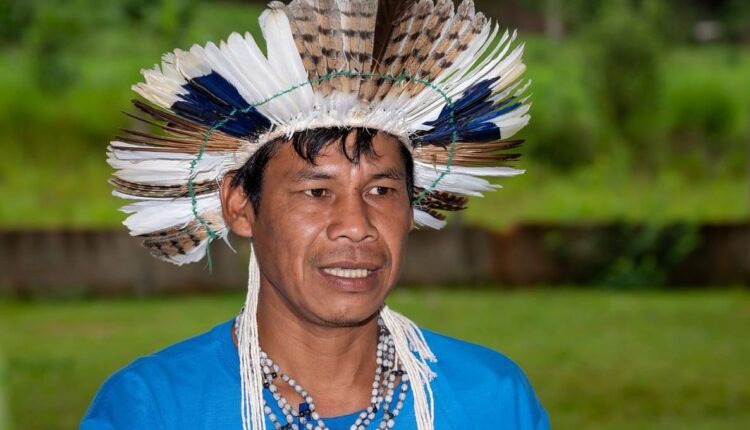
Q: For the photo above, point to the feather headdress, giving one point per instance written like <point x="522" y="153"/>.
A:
<point x="444" y="80"/>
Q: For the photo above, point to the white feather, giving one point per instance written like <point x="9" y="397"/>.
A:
<point x="510" y="123"/>
<point x="282" y="50"/>
<point x="473" y="171"/>
<point x="511" y="127"/>
<point x="149" y="216"/>
<point x="170" y="168"/>
<point x="245" y="52"/>
<point x="163" y="85"/>
<point x="285" y="60"/>
<point x="451" y="182"/>
<point x="192" y="64"/>
<point x="245" y="55"/>
<point x="224" y="65"/>
<point x="192" y="255"/>
<point x="422" y="218"/>
<point x="502" y="93"/>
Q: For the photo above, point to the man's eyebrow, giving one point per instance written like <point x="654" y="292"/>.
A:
<point x="311" y="175"/>
<point x="316" y="175"/>
<point x="391" y="173"/>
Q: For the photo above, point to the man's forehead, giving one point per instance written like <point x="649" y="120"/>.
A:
<point x="330" y="171"/>
<point x="385" y="160"/>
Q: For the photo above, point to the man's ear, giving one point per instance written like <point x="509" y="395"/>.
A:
<point x="236" y="207"/>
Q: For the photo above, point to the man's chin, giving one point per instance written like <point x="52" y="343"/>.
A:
<point x="349" y="318"/>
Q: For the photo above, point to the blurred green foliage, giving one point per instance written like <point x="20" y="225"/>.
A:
<point x="624" y="59"/>
<point x="736" y="17"/>
<point x="625" y="256"/>
<point x="627" y="123"/>
<point x="64" y="86"/>
<point x="15" y="16"/>
<point x="563" y="133"/>
<point x="675" y="19"/>
<point x="645" y="256"/>
<point x="706" y="122"/>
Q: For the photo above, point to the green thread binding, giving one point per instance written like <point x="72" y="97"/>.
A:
<point x="218" y="124"/>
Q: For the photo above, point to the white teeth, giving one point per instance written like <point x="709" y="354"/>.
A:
<point x="347" y="273"/>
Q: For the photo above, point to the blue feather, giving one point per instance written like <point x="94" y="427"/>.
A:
<point x="486" y="132"/>
<point x="495" y="112"/>
<point x="472" y="103"/>
<point x="472" y="117"/>
<point x="211" y="98"/>
<point x="479" y="91"/>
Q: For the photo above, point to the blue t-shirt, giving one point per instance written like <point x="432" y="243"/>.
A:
<point x="195" y="384"/>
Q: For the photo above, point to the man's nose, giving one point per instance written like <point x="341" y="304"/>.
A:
<point x="351" y="218"/>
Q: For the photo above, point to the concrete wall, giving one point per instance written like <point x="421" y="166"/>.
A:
<point x="107" y="262"/>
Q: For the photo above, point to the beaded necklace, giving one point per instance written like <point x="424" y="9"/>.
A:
<point x="383" y="394"/>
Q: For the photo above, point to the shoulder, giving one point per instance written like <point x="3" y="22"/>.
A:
<point x="476" y="359"/>
<point x="188" y="355"/>
<point x="490" y="379"/>
<point x="125" y="398"/>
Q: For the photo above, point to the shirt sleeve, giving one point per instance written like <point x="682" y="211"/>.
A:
<point x="527" y="411"/>
<point x="124" y="401"/>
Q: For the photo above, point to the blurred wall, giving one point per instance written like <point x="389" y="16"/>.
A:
<point x="109" y="262"/>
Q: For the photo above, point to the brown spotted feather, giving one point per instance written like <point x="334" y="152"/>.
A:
<point x="389" y="15"/>
<point x="169" y="243"/>
<point x="469" y="154"/>
<point x="402" y="43"/>
<point x="458" y="21"/>
<point x="433" y="213"/>
<point x="475" y="29"/>
<point x="162" y="191"/>
<point x="346" y="33"/>
<point x="337" y="58"/>
<point x="307" y="38"/>
<point x="328" y="29"/>
<point x="424" y="44"/>
<point x="441" y="200"/>
<point x="358" y="23"/>
<point x="300" y="31"/>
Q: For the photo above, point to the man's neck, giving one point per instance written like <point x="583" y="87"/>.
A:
<point x="336" y="365"/>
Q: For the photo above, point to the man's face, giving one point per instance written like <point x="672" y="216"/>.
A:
<point x="330" y="237"/>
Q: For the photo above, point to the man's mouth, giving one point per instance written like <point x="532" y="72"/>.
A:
<point x="342" y="272"/>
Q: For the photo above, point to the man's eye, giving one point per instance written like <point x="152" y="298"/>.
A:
<point x="379" y="191"/>
<point x="316" y="192"/>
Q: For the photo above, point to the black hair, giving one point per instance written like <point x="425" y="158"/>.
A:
<point x="308" y="144"/>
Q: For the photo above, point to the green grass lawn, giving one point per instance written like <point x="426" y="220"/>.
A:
<point x="598" y="359"/>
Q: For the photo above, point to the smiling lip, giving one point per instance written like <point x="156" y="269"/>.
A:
<point x="347" y="270"/>
<point x="341" y="272"/>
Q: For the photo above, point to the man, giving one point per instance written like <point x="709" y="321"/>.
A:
<point x="327" y="179"/>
